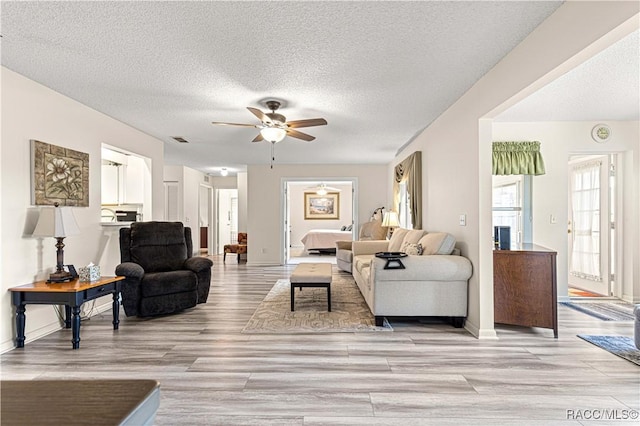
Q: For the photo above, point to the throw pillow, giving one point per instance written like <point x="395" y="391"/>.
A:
<point x="349" y="228"/>
<point x="412" y="249"/>
<point x="344" y="228"/>
<point x="437" y="243"/>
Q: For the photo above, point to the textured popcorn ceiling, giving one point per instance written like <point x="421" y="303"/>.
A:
<point x="377" y="71"/>
<point x="606" y="87"/>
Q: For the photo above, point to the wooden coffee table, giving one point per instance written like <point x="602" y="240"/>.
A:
<point x="72" y="402"/>
<point x="71" y="294"/>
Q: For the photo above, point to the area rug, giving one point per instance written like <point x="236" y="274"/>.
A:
<point x="606" y="311"/>
<point x="621" y="346"/>
<point x="575" y="292"/>
<point x="349" y="312"/>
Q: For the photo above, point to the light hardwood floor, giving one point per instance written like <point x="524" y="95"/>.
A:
<point x="425" y="373"/>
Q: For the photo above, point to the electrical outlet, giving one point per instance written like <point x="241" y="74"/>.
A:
<point x="463" y="220"/>
<point x="264" y="251"/>
<point x="552" y="219"/>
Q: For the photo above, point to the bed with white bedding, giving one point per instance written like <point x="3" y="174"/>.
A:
<point x="324" y="240"/>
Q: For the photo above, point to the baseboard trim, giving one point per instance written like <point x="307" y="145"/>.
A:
<point x="33" y="335"/>
<point x="480" y="333"/>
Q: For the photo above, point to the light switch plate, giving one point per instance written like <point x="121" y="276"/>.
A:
<point x="463" y="220"/>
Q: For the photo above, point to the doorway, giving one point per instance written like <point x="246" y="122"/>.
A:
<point x="300" y="228"/>
<point x="205" y="201"/>
<point x="592" y="225"/>
<point x="227" y="215"/>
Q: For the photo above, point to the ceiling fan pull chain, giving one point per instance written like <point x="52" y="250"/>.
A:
<point x="273" y="155"/>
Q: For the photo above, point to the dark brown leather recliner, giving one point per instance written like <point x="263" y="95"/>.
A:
<point x="162" y="276"/>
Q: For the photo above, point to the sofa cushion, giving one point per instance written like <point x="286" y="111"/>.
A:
<point x="411" y="249"/>
<point x="158" y="246"/>
<point x="397" y="238"/>
<point x="163" y="283"/>
<point x="413" y="236"/>
<point x="437" y="243"/>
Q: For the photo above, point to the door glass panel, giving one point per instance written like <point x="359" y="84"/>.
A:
<point x="585" y="204"/>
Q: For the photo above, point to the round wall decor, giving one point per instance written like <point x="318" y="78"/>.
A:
<point x="601" y="133"/>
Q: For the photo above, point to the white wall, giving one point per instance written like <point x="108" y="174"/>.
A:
<point x="558" y="141"/>
<point x="203" y="215"/>
<point x="32" y="111"/>
<point x="300" y="226"/>
<point x="265" y="206"/>
<point x="243" y="202"/>
<point x="456" y="147"/>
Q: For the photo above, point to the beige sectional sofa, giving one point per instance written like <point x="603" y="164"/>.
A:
<point x="433" y="283"/>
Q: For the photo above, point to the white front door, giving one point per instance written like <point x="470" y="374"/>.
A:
<point x="589" y="224"/>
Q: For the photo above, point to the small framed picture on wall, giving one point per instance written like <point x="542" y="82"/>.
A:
<point x="321" y="206"/>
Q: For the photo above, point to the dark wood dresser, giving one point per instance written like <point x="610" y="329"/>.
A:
<point x="524" y="287"/>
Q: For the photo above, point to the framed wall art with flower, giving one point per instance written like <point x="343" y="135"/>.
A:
<point x="60" y="175"/>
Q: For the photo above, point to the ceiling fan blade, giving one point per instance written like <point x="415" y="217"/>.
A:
<point x="307" y="123"/>
<point x="258" y="138"/>
<point x="299" y="135"/>
<point x="261" y="115"/>
<point x="232" y="124"/>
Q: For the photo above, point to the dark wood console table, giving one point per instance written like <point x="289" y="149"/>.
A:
<point x="524" y="287"/>
<point x="71" y="294"/>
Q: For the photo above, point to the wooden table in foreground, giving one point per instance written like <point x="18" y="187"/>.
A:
<point x="71" y="294"/>
<point x="79" y="402"/>
<point x="524" y="287"/>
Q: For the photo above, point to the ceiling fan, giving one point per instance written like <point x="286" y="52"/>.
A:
<point x="274" y="127"/>
<point x="323" y="189"/>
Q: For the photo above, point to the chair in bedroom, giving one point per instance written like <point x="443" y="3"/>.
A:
<point x="239" y="248"/>
<point x="161" y="274"/>
<point x="372" y="230"/>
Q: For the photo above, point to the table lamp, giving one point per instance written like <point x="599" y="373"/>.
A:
<point x="57" y="222"/>
<point x="391" y="221"/>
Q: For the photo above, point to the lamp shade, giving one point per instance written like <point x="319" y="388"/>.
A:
<point x="56" y="222"/>
<point x="390" y="220"/>
<point x="273" y="134"/>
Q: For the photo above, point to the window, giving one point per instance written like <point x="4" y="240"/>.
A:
<point x="404" y="209"/>
<point x="512" y="206"/>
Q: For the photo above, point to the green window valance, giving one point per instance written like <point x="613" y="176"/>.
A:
<point x="517" y="158"/>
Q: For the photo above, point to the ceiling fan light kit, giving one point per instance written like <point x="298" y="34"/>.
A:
<point x="323" y="189"/>
<point x="273" y="134"/>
